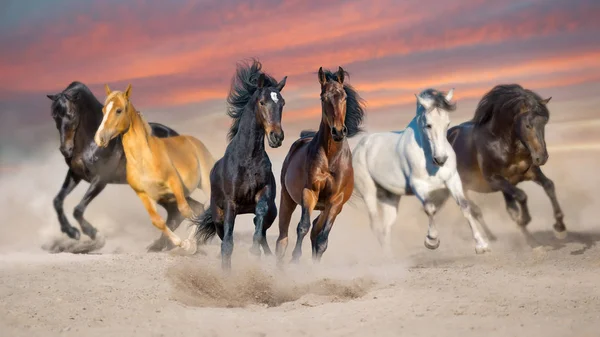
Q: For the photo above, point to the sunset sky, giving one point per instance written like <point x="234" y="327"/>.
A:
<point x="180" y="55"/>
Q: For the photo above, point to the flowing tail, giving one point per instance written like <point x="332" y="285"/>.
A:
<point x="206" y="227"/>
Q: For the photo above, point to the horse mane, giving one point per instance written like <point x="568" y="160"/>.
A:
<point x="243" y="87"/>
<point x="80" y="93"/>
<point x="355" y="108"/>
<point x="438" y="98"/>
<point x="508" y="99"/>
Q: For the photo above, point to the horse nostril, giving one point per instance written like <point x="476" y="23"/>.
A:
<point x="344" y="130"/>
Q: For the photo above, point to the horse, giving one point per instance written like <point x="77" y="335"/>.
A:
<point x="78" y="114"/>
<point x="417" y="161"/>
<point x="160" y="170"/>
<point x="242" y="180"/>
<point x="317" y="172"/>
<point x="504" y="145"/>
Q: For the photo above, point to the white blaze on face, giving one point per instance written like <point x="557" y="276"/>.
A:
<point x="108" y="110"/>
<point x="274" y="97"/>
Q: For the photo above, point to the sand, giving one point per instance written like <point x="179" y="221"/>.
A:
<point x="549" y="289"/>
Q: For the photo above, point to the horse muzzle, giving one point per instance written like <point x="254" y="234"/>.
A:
<point x="275" y="139"/>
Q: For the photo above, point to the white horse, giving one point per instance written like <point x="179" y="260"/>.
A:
<point x="417" y="161"/>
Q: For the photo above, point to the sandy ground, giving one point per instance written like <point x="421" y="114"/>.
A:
<point x="551" y="289"/>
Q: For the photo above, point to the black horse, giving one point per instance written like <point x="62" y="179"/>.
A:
<point x="242" y="181"/>
<point x="78" y="114"/>
<point x="503" y="145"/>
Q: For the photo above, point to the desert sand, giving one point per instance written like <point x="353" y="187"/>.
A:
<point x="543" y="288"/>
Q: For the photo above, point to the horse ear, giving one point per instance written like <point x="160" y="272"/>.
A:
<point x="449" y="95"/>
<point x="340" y="75"/>
<point x="322" y="77"/>
<point x="424" y="102"/>
<point x="72" y="97"/>
<point x="128" y="91"/>
<point x="545" y="101"/>
<point x="281" y="84"/>
<point x="261" y="81"/>
<point x="107" y="89"/>
<point x="52" y="97"/>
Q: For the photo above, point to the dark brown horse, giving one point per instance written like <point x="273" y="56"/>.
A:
<point x="504" y="145"/>
<point x="317" y="172"/>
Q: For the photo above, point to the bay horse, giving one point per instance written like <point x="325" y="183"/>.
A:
<point x="317" y="172"/>
<point x="243" y="181"/>
<point x="417" y="161"/>
<point x="504" y="145"/>
<point x="159" y="170"/>
<point x="77" y="115"/>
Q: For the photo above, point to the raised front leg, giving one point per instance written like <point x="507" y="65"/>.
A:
<point x="516" y="199"/>
<point x="454" y="185"/>
<point x="560" y="230"/>
<point x="69" y="184"/>
<point x="156" y="219"/>
<point x="309" y="201"/>
<point x="227" y="243"/>
<point x="265" y="213"/>
<point x="321" y="229"/>
<point x="96" y="187"/>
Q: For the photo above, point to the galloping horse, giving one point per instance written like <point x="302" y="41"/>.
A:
<point x="317" y="172"/>
<point x="242" y="180"/>
<point x="417" y="161"/>
<point x="504" y="145"/>
<point x="77" y="114"/>
<point x="160" y="170"/>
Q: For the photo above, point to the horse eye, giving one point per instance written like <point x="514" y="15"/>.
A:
<point x="119" y="111"/>
<point x="528" y="126"/>
<point x="428" y="126"/>
<point x="262" y="103"/>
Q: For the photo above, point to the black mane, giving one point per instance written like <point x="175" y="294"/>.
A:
<point x="85" y="101"/>
<point x="508" y="99"/>
<point x="243" y="87"/>
<point x="355" y="108"/>
<point x="438" y="98"/>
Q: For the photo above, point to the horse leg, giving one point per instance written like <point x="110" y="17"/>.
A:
<point x="309" y="201"/>
<point x="262" y="208"/>
<point x="269" y="219"/>
<point x="286" y="208"/>
<point x="96" y="186"/>
<point x="454" y="184"/>
<point x="156" y="219"/>
<point x="479" y="216"/>
<point x="175" y="184"/>
<point x="71" y="181"/>
<point x="388" y="210"/>
<point x="174" y="219"/>
<point x="560" y="230"/>
<point x="227" y="243"/>
<point x="321" y="238"/>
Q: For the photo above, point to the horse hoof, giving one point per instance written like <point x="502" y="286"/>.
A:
<point x="190" y="247"/>
<point x="560" y="235"/>
<point x="73" y="233"/>
<point x="482" y="249"/>
<point x="431" y="243"/>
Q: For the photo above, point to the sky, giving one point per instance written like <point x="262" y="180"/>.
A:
<point x="180" y="55"/>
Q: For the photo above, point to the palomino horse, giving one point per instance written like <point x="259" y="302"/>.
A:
<point x="242" y="180"/>
<point x="504" y="145"/>
<point x="77" y="114"/>
<point x="417" y="161"/>
<point x="317" y="171"/>
<point x="160" y="170"/>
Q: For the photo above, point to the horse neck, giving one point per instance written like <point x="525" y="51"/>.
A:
<point x="325" y="141"/>
<point x="89" y="120"/>
<point x="420" y="137"/>
<point x="137" y="136"/>
<point x="250" y="136"/>
<point x="501" y="130"/>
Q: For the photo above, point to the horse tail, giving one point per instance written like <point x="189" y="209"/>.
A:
<point x="206" y="227"/>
